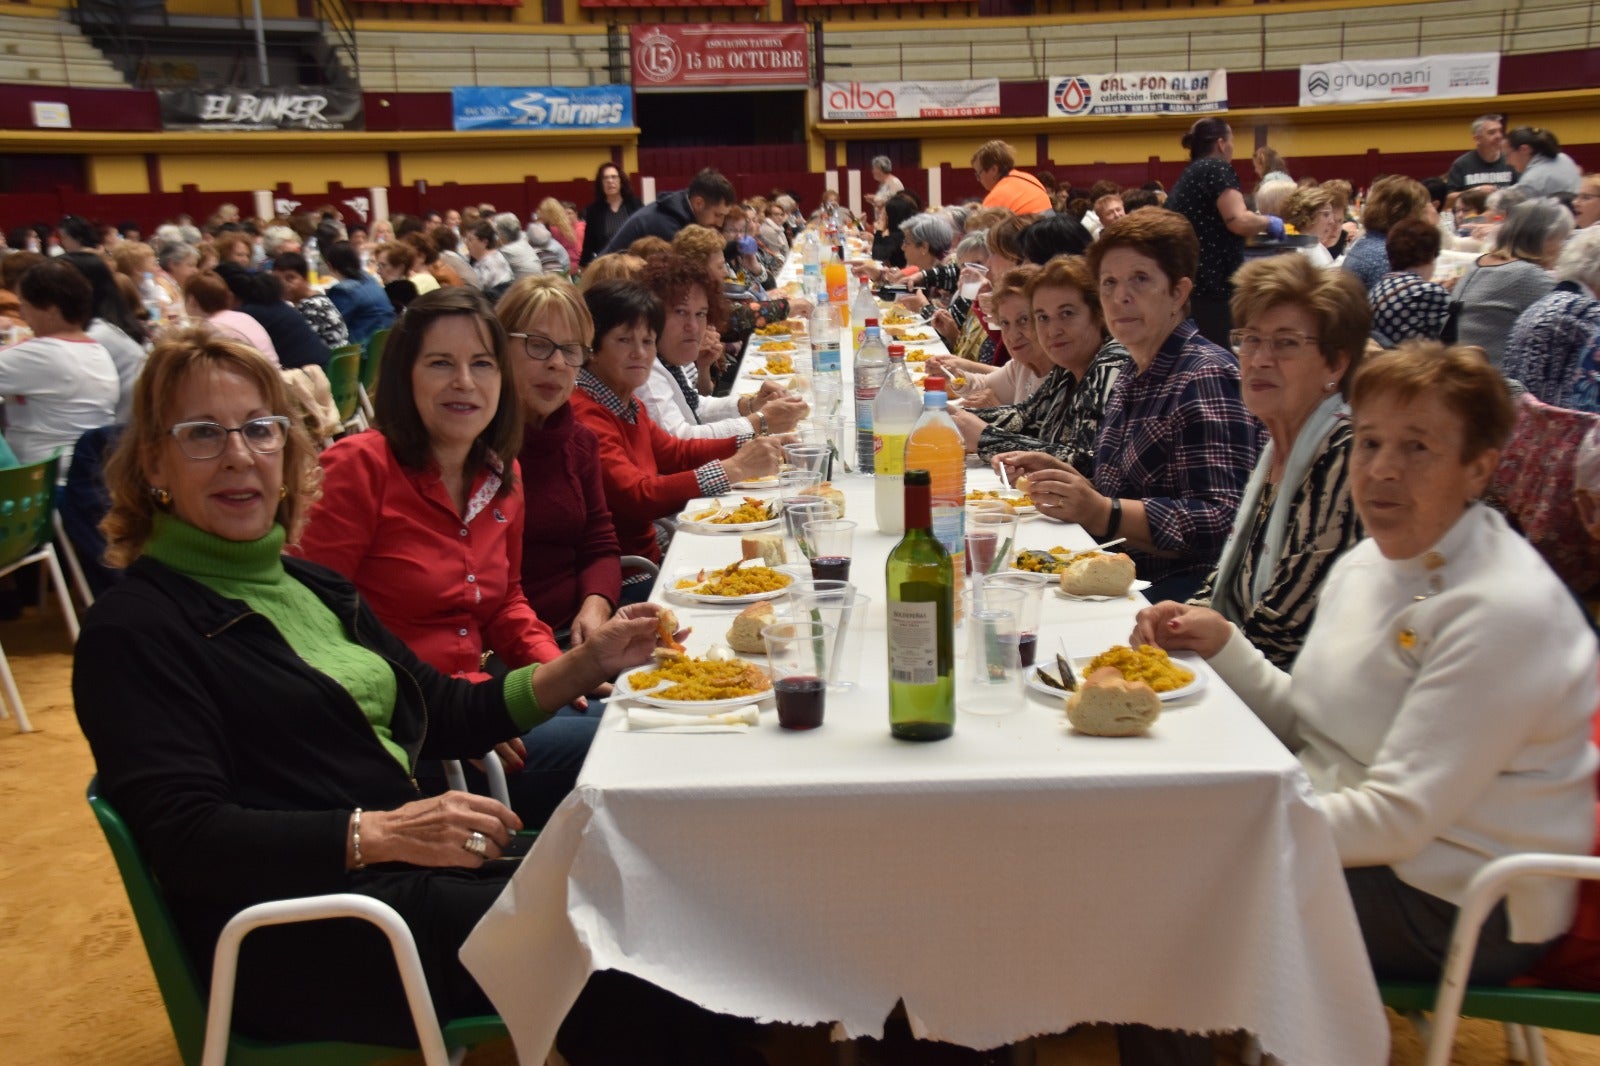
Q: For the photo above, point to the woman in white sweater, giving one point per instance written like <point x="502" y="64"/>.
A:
<point x="1441" y="705"/>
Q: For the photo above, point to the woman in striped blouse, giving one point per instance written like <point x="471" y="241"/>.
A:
<point x="1302" y="334"/>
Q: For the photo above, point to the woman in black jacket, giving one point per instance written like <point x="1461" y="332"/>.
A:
<point x="258" y="728"/>
<point x="614" y="201"/>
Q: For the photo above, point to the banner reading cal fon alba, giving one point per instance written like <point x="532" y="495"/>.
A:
<point x="744" y="55"/>
<point x="849" y="100"/>
<point x="1176" y="92"/>
<point x="542" y="107"/>
<point x="1426" y="77"/>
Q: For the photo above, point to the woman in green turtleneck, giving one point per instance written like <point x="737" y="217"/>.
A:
<point x="257" y="726"/>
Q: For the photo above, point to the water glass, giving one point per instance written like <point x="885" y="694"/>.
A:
<point x="989" y="678"/>
<point x="795" y="483"/>
<point x="831" y="541"/>
<point x="1032" y="587"/>
<point x="845" y="610"/>
<point x="797" y="656"/>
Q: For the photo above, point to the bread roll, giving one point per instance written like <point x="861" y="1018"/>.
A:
<point x="1107" y="705"/>
<point x="831" y="494"/>
<point x="768" y="547"/>
<point x="745" y="633"/>
<point x="1100" y="574"/>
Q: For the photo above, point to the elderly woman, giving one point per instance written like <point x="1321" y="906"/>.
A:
<point x="1586" y="202"/>
<point x="207" y="297"/>
<point x="1543" y="169"/>
<point x="1406" y="302"/>
<point x="261" y="297"/>
<point x="1208" y="195"/>
<point x="357" y="295"/>
<point x="672" y="395"/>
<point x="257" y="725"/>
<point x="614" y="201"/>
<point x="177" y="262"/>
<point x="1388" y="201"/>
<point x="1511" y="276"/>
<point x="1062" y="418"/>
<point x="925" y="243"/>
<point x="1313" y="209"/>
<point x="571" y="572"/>
<point x="1550" y="337"/>
<point x="888" y="184"/>
<point x="290" y="269"/>
<point x="1394" y="709"/>
<point x="747" y="309"/>
<point x="648" y="473"/>
<point x="1176" y="445"/>
<point x="1303" y="331"/>
<point x="488" y="262"/>
<point x="985" y="387"/>
<point x="888" y="240"/>
<point x="400" y="261"/>
<point x="61" y="382"/>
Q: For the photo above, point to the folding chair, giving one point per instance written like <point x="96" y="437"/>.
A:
<point x="1522" y="1009"/>
<point x="27" y="501"/>
<point x="344" y="379"/>
<point x="204" y="1032"/>
<point x="371" y="360"/>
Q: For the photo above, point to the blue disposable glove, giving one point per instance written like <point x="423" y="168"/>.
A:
<point x="747" y="244"/>
<point x="1275" y="227"/>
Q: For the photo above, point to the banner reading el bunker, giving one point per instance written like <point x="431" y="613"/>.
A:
<point x="742" y="55"/>
<point x="850" y="100"/>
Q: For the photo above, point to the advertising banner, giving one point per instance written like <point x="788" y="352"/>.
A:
<point x="1426" y="77"/>
<point x="293" y="108"/>
<point x="742" y="55"/>
<point x="542" y="107"/>
<point x="846" y="100"/>
<point x="1172" y="92"/>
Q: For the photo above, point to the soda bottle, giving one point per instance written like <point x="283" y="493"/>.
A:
<point x="935" y="445"/>
<point x="837" y="280"/>
<point x="894" y="414"/>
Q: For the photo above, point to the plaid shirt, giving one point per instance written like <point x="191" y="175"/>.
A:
<point x="1179" y="438"/>
<point x="713" y="480"/>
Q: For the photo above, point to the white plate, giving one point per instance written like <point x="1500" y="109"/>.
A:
<point x="1188" y="659"/>
<point x="698" y="597"/>
<point x="1138" y="586"/>
<point x="622" y="690"/>
<point x="764" y="339"/>
<point x="758" y="483"/>
<point x="686" y="521"/>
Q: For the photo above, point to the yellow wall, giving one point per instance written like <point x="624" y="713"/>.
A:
<point x="1132" y="146"/>
<point x="223" y="172"/>
<point x="118" y="174"/>
<point x="469" y="166"/>
<point x="958" y="151"/>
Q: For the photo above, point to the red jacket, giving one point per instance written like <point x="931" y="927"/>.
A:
<point x="648" y="473"/>
<point x="450" y="588"/>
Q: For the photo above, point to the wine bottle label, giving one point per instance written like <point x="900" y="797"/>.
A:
<point x="914" y="643"/>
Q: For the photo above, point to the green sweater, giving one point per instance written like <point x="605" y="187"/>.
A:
<point x="252" y="571"/>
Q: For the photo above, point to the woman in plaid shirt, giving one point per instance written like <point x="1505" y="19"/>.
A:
<point x="1176" y="445"/>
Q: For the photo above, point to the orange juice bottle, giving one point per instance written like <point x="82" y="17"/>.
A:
<point x="935" y="445"/>
<point x="837" y="280"/>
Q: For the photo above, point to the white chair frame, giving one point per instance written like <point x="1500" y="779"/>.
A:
<point x="45" y="553"/>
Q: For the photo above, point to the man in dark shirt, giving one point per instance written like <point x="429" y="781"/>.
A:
<point x="706" y="201"/>
<point x="1485" y="164"/>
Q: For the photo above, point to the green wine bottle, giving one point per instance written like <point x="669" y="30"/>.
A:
<point x="921" y="583"/>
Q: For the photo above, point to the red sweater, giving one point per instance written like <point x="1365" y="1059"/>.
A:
<point x="449" y="587"/>
<point x="648" y="473"/>
<point x="569" y="545"/>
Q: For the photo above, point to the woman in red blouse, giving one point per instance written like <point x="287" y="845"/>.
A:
<point x="425" y="515"/>
<point x="649" y="473"/>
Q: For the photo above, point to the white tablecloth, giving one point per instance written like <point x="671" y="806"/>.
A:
<point x="1013" y="880"/>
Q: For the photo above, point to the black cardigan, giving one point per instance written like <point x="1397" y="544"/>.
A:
<point x="234" y="762"/>
<point x="594" y="228"/>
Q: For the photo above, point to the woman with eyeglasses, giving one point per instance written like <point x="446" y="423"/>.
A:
<point x="258" y="726"/>
<point x="425" y="516"/>
<point x="571" y="572"/>
<point x="1302" y="333"/>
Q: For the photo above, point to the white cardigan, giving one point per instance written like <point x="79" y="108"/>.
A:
<point x="663" y="398"/>
<point x="1443" y="715"/>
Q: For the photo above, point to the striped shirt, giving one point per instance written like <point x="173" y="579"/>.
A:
<point x="1178" y="437"/>
<point x="1323" y="527"/>
<point x="1548" y="342"/>
<point x="1062" y="417"/>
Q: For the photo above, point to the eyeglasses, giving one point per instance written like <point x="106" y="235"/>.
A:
<point x="1284" y="344"/>
<point x="1586" y="196"/>
<point x="207" y="440"/>
<point x="541" y="348"/>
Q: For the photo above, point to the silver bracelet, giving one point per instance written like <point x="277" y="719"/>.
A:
<point x="355" y="839"/>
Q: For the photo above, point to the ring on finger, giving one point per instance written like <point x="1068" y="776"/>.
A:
<point x="477" y="843"/>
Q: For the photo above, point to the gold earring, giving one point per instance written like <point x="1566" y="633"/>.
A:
<point x="162" y="497"/>
<point x="283" y="492"/>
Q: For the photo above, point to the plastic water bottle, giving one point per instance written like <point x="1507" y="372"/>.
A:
<point x="862" y="307"/>
<point x="150" y="294"/>
<point x="827" y="383"/>
<point x="871" y="367"/>
<point x="894" y="415"/>
<point x="935" y="445"/>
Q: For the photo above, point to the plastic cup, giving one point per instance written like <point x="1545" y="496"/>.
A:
<point x="803" y="510"/>
<point x="832" y="541"/>
<point x="989" y="678"/>
<point x="845" y="610"/>
<point x="797" y="655"/>
<point x="796" y="483"/>
<point x="991" y="540"/>
<point x="807" y="456"/>
<point x="1032" y="587"/>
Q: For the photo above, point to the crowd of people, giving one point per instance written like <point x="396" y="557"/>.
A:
<point x="1289" y="402"/>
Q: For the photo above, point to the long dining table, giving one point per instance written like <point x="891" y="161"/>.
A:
<point x="1013" y="880"/>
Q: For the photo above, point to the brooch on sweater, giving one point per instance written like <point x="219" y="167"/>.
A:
<point x="1407" y="638"/>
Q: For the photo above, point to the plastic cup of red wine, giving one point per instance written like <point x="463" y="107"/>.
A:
<point x="831" y="542"/>
<point x="1032" y="587"/>
<point x="797" y="657"/>
<point x="837" y="604"/>
<point x="989" y="676"/>
<point x="991" y="540"/>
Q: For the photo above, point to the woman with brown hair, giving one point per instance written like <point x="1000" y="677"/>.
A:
<point x="1389" y="200"/>
<point x="206" y="296"/>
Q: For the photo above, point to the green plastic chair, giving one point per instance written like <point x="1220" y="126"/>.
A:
<point x="371" y="360"/>
<point x="344" y="381"/>
<point x="27" y="504"/>
<point x="1523" y="1010"/>
<point x="186" y="999"/>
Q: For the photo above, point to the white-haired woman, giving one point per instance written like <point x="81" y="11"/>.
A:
<point x="888" y="184"/>
<point x="1551" y="336"/>
<point x="1512" y="276"/>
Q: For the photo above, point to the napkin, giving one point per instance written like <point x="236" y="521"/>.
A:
<point x="650" y="720"/>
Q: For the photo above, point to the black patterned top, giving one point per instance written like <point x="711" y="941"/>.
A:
<point x="325" y="320"/>
<point x="1061" y="418"/>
